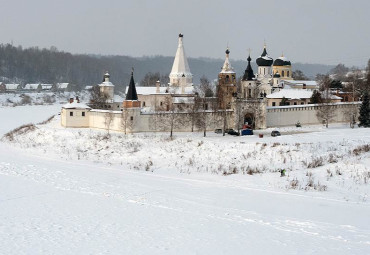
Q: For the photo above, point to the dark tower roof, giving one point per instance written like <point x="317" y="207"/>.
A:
<point x="248" y="73"/>
<point x="276" y="75"/>
<point x="131" y="93"/>
<point x="282" y="61"/>
<point x="264" y="59"/>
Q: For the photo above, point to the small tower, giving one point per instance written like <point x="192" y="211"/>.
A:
<point x="248" y="84"/>
<point x="264" y="75"/>
<point x="131" y="100"/>
<point x="180" y="75"/>
<point x="106" y="87"/>
<point x="226" y="88"/>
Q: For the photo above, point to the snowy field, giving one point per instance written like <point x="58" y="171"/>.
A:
<point x="78" y="191"/>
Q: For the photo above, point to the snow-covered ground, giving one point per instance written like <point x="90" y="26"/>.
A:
<point x="73" y="191"/>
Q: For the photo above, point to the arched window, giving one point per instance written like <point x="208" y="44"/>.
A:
<point x="282" y="73"/>
<point x="287" y="73"/>
<point x="227" y="78"/>
<point x="264" y="70"/>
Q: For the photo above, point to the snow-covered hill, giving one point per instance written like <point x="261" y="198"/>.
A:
<point x="68" y="191"/>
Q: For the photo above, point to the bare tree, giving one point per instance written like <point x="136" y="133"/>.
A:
<point x="97" y="99"/>
<point x="127" y="121"/>
<point x="108" y="120"/>
<point x="172" y="118"/>
<point x="204" y="114"/>
<point x="325" y="110"/>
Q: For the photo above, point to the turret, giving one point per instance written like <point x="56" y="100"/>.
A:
<point x="226" y="88"/>
<point x="131" y="100"/>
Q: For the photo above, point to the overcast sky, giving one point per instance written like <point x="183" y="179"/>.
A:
<point x="315" y="31"/>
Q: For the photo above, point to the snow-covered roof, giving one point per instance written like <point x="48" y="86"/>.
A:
<point x="75" y="105"/>
<point x="162" y="90"/>
<point x="300" y="83"/>
<point x="117" y="98"/>
<point x="106" y="84"/>
<point x="183" y="100"/>
<point x="292" y="94"/>
<point x="31" y="86"/>
<point x="88" y="87"/>
<point x="11" y="86"/>
<point x="180" y="64"/>
<point x="330" y="96"/>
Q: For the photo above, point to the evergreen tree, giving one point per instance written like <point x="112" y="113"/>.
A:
<point x="364" y="117"/>
<point x="316" y="97"/>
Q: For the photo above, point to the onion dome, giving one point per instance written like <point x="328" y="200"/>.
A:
<point x="248" y="73"/>
<point x="264" y="59"/>
<point x="277" y="75"/>
<point x="282" y="61"/>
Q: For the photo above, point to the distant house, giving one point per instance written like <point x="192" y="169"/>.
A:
<point x="88" y="87"/>
<point x="12" y="87"/>
<point x="63" y="87"/>
<point x="33" y="87"/>
<point x="46" y="87"/>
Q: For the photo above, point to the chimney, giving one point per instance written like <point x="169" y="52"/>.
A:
<point x="71" y="100"/>
<point x="77" y="99"/>
<point x="157" y="84"/>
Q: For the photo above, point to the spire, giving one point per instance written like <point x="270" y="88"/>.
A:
<point x="248" y="73"/>
<point x="180" y="64"/>
<point x="226" y="68"/>
<point x="131" y="93"/>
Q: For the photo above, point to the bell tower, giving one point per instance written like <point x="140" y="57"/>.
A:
<point x="226" y="88"/>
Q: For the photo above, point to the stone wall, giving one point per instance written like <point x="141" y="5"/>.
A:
<point x="306" y="114"/>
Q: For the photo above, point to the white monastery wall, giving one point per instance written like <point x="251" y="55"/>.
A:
<point x="306" y="114"/>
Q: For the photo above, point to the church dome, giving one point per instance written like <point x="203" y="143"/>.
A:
<point x="264" y="59"/>
<point x="276" y="75"/>
<point x="282" y="61"/>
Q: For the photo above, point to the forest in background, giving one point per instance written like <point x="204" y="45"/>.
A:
<point x="35" y="65"/>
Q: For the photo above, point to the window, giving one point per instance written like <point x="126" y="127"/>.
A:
<point x="71" y="114"/>
<point x="273" y="103"/>
<point x="302" y="102"/>
<point x="132" y="118"/>
<point x="161" y="103"/>
<point x="144" y="104"/>
<point x="249" y="92"/>
<point x="83" y="114"/>
<point x="295" y="103"/>
<point x="287" y="73"/>
<point x="282" y="73"/>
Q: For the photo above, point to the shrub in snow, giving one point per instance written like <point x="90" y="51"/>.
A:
<point x="316" y="162"/>
<point x="361" y="149"/>
<point x="19" y="131"/>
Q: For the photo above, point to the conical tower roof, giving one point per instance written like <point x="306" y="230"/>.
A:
<point x="131" y="93"/>
<point x="248" y="73"/>
<point x="227" y="68"/>
<point x="180" y="64"/>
